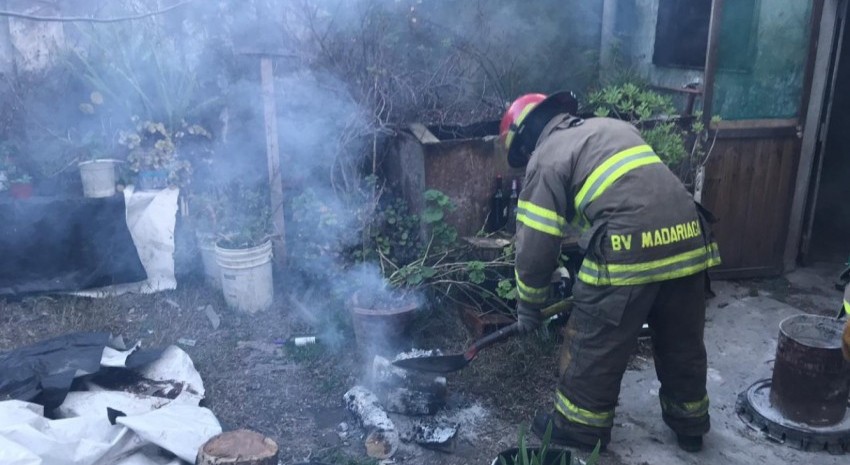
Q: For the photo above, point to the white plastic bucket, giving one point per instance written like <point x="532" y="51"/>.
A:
<point x="246" y="277"/>
<point x="98" y="178"/>
<point x="212" y="272"/>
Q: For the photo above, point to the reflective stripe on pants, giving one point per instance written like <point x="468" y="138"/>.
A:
<point x="576" y="414"/>
<point x="684" y="410"/>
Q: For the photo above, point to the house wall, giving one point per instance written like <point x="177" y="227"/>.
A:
<point x="29" y="45"/>
<point x="628" y="41"/>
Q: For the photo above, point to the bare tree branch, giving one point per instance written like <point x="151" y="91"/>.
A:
<point x="83" y="19"/>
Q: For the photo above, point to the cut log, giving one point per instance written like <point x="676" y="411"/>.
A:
<point x="240" y="447"/>
<point x="382" y="437"/>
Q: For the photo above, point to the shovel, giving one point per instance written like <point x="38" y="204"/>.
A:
<point x="450" y="363"/>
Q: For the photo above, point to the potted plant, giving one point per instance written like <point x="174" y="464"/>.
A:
<point x="97" y="172"/>
<point x="20" y="186"/>
<point x="542" y="455"/>
<point x="205" y="211"/>
<point x="97" y="168"/>
<point x="12" y="178"/>
<point x="152" y="153"/>
<point x="243" y="250"/>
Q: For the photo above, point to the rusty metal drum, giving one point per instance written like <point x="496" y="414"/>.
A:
<point x="811" y="379"/>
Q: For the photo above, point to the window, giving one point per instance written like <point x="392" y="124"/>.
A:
<point x="681" y="33"/>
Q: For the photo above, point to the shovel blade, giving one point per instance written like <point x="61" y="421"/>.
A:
<point x="434" y="364"/>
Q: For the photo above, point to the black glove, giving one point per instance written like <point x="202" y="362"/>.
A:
<point x="528" y="319"/>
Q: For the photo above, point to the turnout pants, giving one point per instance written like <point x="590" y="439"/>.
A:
<point x="601" y="336"/>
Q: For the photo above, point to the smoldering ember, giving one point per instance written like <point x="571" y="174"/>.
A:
<point x="424" y="232"/>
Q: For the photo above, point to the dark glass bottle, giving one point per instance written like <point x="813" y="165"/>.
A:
<point x="496" y="218"/>
<point x="512" y="206"/>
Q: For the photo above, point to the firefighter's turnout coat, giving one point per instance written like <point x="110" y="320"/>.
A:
<point x="640" y="225"/>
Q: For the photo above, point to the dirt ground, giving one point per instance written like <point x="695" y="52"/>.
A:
<point x="294" y="395"/>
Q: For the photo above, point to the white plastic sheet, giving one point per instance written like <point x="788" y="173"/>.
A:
<point x="151" y="218"/>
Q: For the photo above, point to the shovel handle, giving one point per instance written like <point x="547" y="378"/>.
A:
<point x="512" y="329"/>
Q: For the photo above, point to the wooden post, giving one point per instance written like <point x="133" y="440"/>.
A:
<point x="240" y="447"/>
<point x="711" y="61"/>
<point x="273" y="155"/>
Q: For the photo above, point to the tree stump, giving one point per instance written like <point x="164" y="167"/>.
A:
<point x="240" y="447"/>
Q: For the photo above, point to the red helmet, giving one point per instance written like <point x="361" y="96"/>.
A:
<point x="516" y="113"/>
<point x="521" y="112"/>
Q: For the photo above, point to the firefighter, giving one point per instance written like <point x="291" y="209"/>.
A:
<point x="647" y="248"/>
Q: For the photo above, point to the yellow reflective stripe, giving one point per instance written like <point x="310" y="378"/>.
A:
<point x="542" y="212"/>
<point x="601" y="169"/>
<point x="649" y="160"/>
<point x="645" y="266"/>
<point x="674" y="267"/>
<point x="847" y="307"/>
<point x="541" y="219"/>
<point x="534" y="295"/>
<point x="693" y="409"/>
<point x="538" y="225"/>
<point x="576" y="414"/>
<point x="525" y="111"/>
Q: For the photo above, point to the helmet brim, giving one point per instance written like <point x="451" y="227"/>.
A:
<point x="537" y="118"/>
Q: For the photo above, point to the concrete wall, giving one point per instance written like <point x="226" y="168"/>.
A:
<point x="463" y="169"/>
<point x="29" y="45"/>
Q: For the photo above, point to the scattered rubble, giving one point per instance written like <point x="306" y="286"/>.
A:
<point x="433" y="434"/>
<point x="187" y="342"/>
<point x="215" y="320"/>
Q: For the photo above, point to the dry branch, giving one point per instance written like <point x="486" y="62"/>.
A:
<point x="83" y="19"/>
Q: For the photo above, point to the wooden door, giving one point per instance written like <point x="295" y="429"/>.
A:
<point x="756" y="72"/>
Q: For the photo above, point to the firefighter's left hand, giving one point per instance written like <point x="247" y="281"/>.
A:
<point x="845" y="341"/>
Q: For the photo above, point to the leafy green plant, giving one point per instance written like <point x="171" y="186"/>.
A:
<point x="241" y="217"/>
<point x="9" y="164"/>
<point x="443" y="265"/>
<point x="140" y="69"/>
<point x="681" y="143"/>
<point x="541" y="455"/>
<point x="153" y="146"/>
<point x="652" y="112"/>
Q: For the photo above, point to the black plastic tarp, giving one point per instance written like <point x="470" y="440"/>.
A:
<point x="65" y="244"/>
<point x="44" y="372"/>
